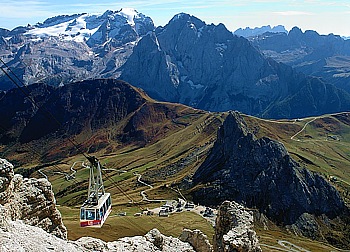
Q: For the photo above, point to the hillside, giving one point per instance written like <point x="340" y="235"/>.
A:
<point x="165" y="143"/>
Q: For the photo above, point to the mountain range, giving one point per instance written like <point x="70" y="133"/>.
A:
<point x="325" y="56"/>
<point x="186" y="61"/>
<point x="68" y="48"/>
<point x="73" y="63"/>
<point x="250" y="32"/>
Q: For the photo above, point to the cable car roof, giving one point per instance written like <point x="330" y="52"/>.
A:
<point x="101" y="201"/>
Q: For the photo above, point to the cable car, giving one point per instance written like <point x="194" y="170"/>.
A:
<point x="97" y="207"/>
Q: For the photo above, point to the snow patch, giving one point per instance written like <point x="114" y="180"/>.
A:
<point x="129" y="14"/>
<point x="75" y="30"/>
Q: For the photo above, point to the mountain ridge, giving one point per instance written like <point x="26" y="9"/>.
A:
<point x="207" y="67"/>
<point x="325" y="56"/>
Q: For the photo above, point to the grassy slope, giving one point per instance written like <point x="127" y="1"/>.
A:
<point x="178" y="153"/>
<point x="322" y="146"/>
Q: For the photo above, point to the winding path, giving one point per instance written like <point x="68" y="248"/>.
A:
<point x="143" y="193"/>
<point x="306" y="124"/>
<point x="286" y="246"/>
<point x="315" y="118"/>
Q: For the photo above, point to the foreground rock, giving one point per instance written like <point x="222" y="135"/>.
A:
<point x="29" y="200"/>
<point x="197" y="239"/>
<point x="153" y="241"/>
<point x="234" y="229"/>
<point x="18" y="236"/>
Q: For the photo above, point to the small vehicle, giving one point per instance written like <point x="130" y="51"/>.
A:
<point x="97" y="207"/>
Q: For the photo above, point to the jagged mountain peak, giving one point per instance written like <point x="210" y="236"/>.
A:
<point x="58" y="20"/>
<point x="262" y="174"/>
<point x="186" y="19"/>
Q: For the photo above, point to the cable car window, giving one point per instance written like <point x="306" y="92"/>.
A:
<point x="82" y="214"/>
<point x="101" y="212"/>
<point x="90" y="214"/>
<point x="97" y="215"/>
<point x="109" y="201"/>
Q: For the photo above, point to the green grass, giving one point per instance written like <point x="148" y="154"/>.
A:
<point x="313" y="150"/>
<point x="120" y="226"/>
<point x="271" y="238"/>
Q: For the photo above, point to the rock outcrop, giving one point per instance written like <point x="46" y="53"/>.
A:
<point x="234" y="229"/>
<point x="18" y="236"/>
<point x="153" y="241"/>
<point x="197" y="239"/>
<point x="30" y="200"/>
<point x="261" y="174"/>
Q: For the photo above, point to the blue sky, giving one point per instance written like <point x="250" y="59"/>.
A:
<point x="320" y="15"/>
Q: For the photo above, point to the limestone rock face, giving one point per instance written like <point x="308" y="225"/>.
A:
<point x="197" y="239"/>
<point x="17" y="236"/>
<point x="22" y="237"/>
<point x="30" y="200"/>
<point x="234" y="229"/>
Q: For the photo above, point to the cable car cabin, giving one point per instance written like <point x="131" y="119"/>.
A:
<point x="95" y="215"/>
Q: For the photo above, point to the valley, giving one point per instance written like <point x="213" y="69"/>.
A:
<point x="189" y="117"/>
<point x="165" y="163"/>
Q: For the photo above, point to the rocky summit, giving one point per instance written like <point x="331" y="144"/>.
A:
<point x="207" y="67"/>
<point x="261" y="174"/>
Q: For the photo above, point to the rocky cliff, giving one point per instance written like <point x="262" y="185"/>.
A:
<point x="261" y="174"/>
<point x="234" y="229"/>
<point x="326" y="56"/>
<point x="207" y="67"/>
<point x="30" y="200"/>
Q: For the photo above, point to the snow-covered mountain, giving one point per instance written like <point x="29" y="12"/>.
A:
<point x="68" y="48"/>
<point x="186" y="61"/>
<point x="83" y="27"/>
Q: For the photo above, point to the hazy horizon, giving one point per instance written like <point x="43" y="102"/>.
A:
<point x="325" y="17"/>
